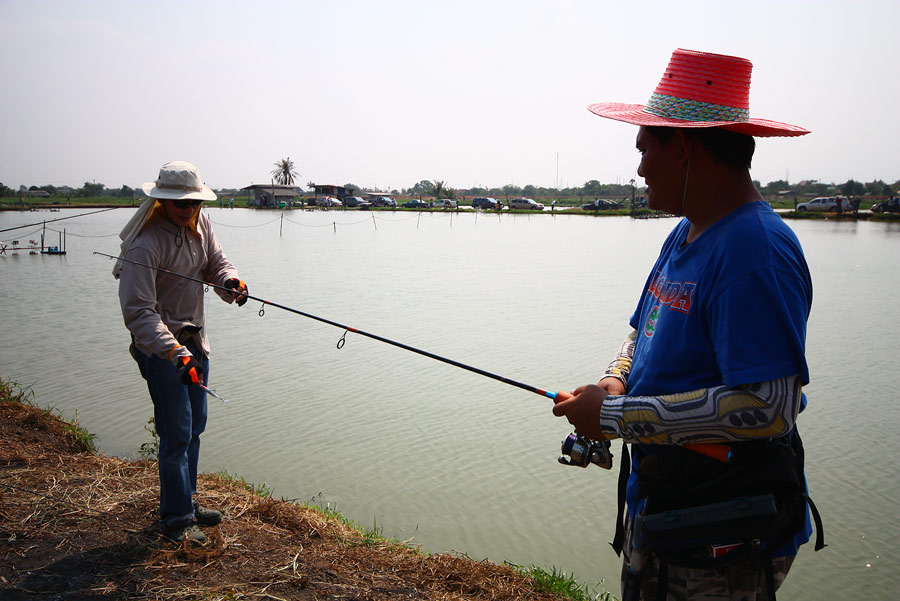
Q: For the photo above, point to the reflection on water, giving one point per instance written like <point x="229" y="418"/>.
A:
<point x="448" y="458"/>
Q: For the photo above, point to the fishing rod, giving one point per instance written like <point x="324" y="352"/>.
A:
<point x="340" y="344"/>
<point x="586" y="451"/>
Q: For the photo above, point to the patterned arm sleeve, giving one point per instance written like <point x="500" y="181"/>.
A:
<point x="621" y="365"/>
<point x="718" y="414"/>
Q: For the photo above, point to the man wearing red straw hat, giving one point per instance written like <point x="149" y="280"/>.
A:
<point x="716" y="355"/>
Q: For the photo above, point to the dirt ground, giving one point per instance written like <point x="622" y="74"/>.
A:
<point x="77" y="525"/>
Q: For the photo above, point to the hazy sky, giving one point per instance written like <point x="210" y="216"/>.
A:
<point x="387" y="93"/>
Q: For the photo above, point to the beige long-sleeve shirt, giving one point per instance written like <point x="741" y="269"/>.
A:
<point x="157" y="306"/>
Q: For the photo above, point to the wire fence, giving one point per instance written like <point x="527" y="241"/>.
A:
<point x="13" y="243"/>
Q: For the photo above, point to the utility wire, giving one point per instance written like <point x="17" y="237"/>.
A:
<point x="245" y="226"/>
<point x="58" y="219"/>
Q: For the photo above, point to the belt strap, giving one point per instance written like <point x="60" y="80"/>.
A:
<point x="820" y="533"/>
<point x="769" y="569"/>
<point x="662" y="580"/>
<point x="618" y="541"/>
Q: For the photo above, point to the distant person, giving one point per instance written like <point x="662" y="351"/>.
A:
<point x="839" y="205"/>
<point x="716" y="353"/>
<point x="855" y="205"/>
<point x="165" y="315"/>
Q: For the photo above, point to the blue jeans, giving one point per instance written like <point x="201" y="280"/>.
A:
<point x="180" y="415"/>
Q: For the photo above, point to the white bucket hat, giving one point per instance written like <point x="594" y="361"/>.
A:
<point x="179" y="180"/>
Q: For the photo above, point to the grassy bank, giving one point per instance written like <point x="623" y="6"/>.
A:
<point x="75" y="524"/>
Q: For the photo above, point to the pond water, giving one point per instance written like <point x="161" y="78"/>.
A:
<point x="424" y="451"/>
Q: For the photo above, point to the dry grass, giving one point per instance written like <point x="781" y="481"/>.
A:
<point x="76" y="525"/>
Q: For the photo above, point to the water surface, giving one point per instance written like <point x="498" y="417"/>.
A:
<point x="432" y="453"/>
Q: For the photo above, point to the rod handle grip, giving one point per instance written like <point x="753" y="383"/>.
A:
<point x="717" y="451"/>
<point x="561" y="395"/>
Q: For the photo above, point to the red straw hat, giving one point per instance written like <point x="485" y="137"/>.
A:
<point x="700" y="89"/>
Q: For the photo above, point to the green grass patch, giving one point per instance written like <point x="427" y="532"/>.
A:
<point x="561" y="584"/>
<point x="150" y="449"/>
<point x="368" y="537"/>
<point x="12" y="392"/>
<point x="260" y="490"/>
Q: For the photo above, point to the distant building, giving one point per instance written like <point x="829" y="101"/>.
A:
<point x="333" y="190"/>
<point x="273" y="196"/>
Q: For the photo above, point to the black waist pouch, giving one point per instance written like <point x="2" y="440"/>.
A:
<point x="694" y="501"/>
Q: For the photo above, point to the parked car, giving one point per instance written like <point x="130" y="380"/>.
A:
<point x="891" y="205"/>
<point x="601" y="204"/>
<point x="415" y="203"/>
<point x="525" y="203"/>
<point x="355" y="202"/>
<point x="384" y="201"/>
<point x="483" y="202"/>
<point x="825" y="203"/>
<point x="444" y="203"/>
<point x="328" y="201"/>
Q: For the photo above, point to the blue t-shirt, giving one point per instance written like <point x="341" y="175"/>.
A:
<point x="729" y="308"/>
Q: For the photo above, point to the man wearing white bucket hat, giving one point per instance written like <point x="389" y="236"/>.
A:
<point x="707" y="386"/>
<point x="165" y="315"/>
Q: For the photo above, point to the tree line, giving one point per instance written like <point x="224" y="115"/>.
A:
<point x="285" y="173"/>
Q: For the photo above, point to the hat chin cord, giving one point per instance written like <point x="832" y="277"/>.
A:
<point x="687" y="174"/>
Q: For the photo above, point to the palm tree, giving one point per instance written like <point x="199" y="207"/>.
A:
<point x="440" y="189"/>
<point x="284" y="172"/>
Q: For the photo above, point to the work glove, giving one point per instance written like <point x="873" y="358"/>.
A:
<point x="189" y="370"/>
<point x="239" y="288"/>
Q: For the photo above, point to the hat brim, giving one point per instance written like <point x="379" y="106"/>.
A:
<point x="637" y="115"/>
<point x="152" y="191"/>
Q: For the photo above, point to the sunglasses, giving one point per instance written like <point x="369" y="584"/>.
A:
<point x="187" y="204"/>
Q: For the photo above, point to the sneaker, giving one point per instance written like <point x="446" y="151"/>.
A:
<point x="206" y="516"/>
<point x="190" y="532"/>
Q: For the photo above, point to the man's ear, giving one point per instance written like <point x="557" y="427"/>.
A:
<point x="684" y="147"/>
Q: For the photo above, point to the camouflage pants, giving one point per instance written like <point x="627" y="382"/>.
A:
<point x="740" y="582"/>
<point x="743" y="581"/>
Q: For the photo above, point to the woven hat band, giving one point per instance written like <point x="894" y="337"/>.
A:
<point x="177" y="187"/>
<point x="694" y="110"/>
